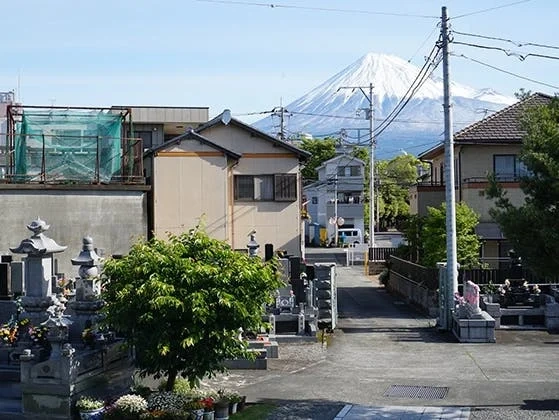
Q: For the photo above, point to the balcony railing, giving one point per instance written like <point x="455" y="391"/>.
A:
<point x="73" y="160"/>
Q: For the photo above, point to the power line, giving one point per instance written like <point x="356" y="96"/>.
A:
<point x="394" y="113"/>
<point x="510" y="53"/>
<point x="423" y="43"/>
<point x="318" y="9"/>
<point x="424" y="78"/>
<point x="518" y="44"/>
<point x="491" y="9"/>
<point x="506" y="71"/>
<point x="324" y="115"/>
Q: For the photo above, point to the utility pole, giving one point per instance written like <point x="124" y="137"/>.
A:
<point x="336" y="209"/>
<point x="451" y="252"/>
<point x="281" y="111"/>
<point x="372" y="144"/>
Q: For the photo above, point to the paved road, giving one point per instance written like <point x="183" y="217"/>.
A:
<point x="382" y="351"/>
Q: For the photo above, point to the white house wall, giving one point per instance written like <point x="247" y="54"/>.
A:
<point x="190" y="187"/>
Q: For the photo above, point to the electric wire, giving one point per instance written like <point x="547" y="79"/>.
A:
<point x="510" y="53"/>
<point x="318" y="9"/>
<point x="491" y="9"/>
<point x="414" y="91"/>
<point x="505" y="71"/>
<point x="424" y="42"/>
<point x="518" y="44"/>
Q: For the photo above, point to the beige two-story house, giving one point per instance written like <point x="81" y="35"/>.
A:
<point x="491" y="145"/>
<point x="233" y="179"/>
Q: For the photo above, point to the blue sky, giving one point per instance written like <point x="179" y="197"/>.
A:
<point x="248" y="57"/>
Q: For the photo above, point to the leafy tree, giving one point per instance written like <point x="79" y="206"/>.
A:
<point x="394" y="179"/>
<point x="411" y="228"/>
<point x="533" y="228"/>
<point x="433" y="236"/>
<point x="180" y="302"/>
<point x="322" y="150"/>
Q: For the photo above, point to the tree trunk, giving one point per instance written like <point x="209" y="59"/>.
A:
<point x="171" y="378"/>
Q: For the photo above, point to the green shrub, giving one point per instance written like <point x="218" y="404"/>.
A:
<point x="86" y="403"/>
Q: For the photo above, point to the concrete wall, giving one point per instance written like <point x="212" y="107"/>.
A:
<point x="113" y="216"/>
<point x="474" y="195"/>
<point x="190" y="185"/>
<point x="413" y="293"/>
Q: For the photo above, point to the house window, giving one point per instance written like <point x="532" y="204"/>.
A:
<point x="264" y="187"/>
<point x="508" y="167"/>
<point x="314" y="200"/>
<point x="349" y="171"/>
<point x="279" y="187"/>
<point x="286" y="187"/>
<point x="244" y="187"/>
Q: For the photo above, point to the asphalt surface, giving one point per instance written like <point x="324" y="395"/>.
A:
<point x="382" y="349"/>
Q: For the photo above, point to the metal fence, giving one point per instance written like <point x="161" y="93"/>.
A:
<point x="380" y="254"/>
<point x="429" y="276"/>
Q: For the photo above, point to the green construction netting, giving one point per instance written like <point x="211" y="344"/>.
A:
<point x="70" y="145"/>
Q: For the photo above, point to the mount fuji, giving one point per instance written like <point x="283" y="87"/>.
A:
<point x="329" y="110"/>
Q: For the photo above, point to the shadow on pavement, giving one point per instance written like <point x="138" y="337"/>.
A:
<point x="405" y="334"/>
<point x="303" y="409"/>
<point x="544" y="405"/>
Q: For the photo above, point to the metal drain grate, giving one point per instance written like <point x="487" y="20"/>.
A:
<point x="412" y="391"/>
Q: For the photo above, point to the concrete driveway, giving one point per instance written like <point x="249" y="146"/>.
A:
<point x="383" y="355"/>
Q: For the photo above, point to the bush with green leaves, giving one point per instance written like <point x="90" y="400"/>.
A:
<point x="86" y="403"/>
<point x="180" y="302"/>
<point x="182" y="386"/>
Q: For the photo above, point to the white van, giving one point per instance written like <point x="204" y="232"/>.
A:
<point x="352" y="236"/>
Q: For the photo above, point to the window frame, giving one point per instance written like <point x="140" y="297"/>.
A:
<point x="284" y="188"/>
<point x="518" y="168"/>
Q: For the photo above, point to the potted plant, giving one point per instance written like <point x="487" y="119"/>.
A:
<point x="90" y="408"/>
<point x="196" y="408"/>
<point x="208" y="408"/>
<point x="234" y="400"/>
<point x="221" y="405"/>
<point x="489" y="290"/>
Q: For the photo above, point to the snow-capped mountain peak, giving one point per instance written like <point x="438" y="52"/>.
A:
<point x="391" y="77"/>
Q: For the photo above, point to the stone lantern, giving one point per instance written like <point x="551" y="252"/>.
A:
<point x="87" y="286"/>
<point x="88" y="289"/>
<point x="38" y="270"/>
<point x="253" y="245"/>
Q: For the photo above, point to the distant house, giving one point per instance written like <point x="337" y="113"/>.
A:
<point x="233" y="179"/>
<point x="158" y="124"/>
<point x="340" y="178"/>
<point x="491" y="145"/>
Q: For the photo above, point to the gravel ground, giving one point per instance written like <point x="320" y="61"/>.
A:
<point x="510" y="414"/>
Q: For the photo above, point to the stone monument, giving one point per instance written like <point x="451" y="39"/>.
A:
<point x="88" y="289"/>
<point x="38" y="271"/>
<point x="50" y="385"/>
